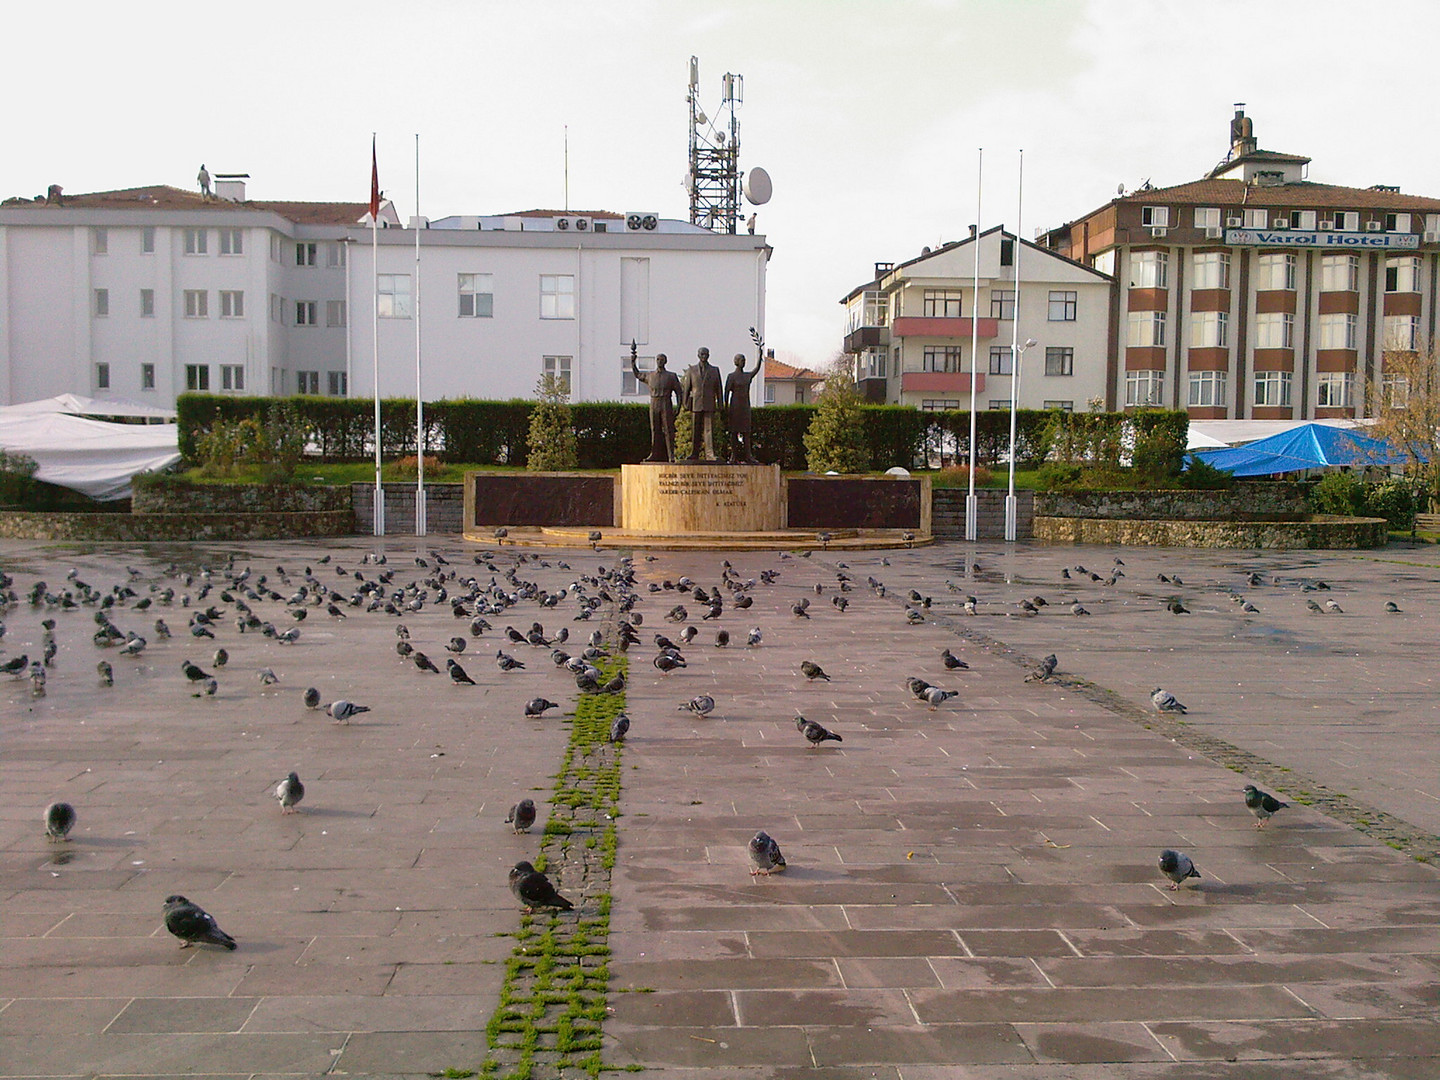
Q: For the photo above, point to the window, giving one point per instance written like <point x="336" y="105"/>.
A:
<point x="1211" y="270"/>
<point x="339" y="385"/>
<point x="1335" y="390"/>
<point x="197" y="376"/>
<point x="147" y="376"/>
<point x="1275" y="270"/>
<point x="1256" y="218"/>
<point x="232" y="304"/>
<point x="1105" y="262"/>
<point x="305" y="254"/>
<point x="197" y="304"/>
<point x="102" y="302"/>
<point x="393" y="300"/>
<point x="769" y="393"/>
<point x="277" y="307"/>
<point x="232" y="241"/>
<point x="100" y="240"/>
<point x="307" y="313"/>
<point x="196" y="241"/>
<point x="873" y="364"/>
<point x="1397" y="223"/>
<point x="147" y="240"/>
<point x="1059" y="361"/>
<point x="1000" y="356"/>
<point x="1063" y="304"/>
<point x="1007" y="252"/>
<point x="335" y="255"/>
<point x="1402" y="332"/>
<point x="629" y="385"/>
<point x="1337" y="331"/>
<point x="872" y="310"/>
<point x="1146" y="329"/>
<point x="102" y="376"/>
<point x="1207" y="217"/>
<point x="1303" y="220"/>
<point x="335" y="313"/>
<point x="939" y="404"/>
<point x="1002" y="303"/>
<point x="942" y="304"/>
<point x="1275" y="330"/>
<point x="307" y="382"/>
<point x="1402" y="274"/>
<point x="1347" y="220"/>
<point x="1207" y="389"/>
<point x="232" y="377"/>
<point x="1432" y="224"/>
<point x="1063" y="406"/>
<point x="1150" y="270"/>
<point x="147" y="303"/>
<point x="1339" y="273"/>
<point x="1210" y="330"/>
<point x="1155" y="217"/>
<point x="477" y="296"/>
<point x="559" y="366"/>
<point x="941" y="358"/>
<point x="1394" y="390"/>
<point x="557" y="296"/>
<point x="998" y="404"/>
<point x="1273" y="388"/>
<point x="1144" y="387"/>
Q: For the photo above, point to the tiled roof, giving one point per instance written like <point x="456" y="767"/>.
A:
<point x="777" y="369"/>
<point x="164" y="197"/>
<point x="315" y="213"/>
<point x="610" y="215"/>
<point x="1293" y="196"/>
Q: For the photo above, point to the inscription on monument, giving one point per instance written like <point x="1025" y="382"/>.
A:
<point x="723" y="485"/>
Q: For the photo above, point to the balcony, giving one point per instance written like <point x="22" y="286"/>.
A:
<point x="940" y="382"/>
<point x="920" y="326"/>
<point x="866" y="337"/>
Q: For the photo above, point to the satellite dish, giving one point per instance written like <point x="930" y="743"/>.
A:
<point x="758" y="188"/>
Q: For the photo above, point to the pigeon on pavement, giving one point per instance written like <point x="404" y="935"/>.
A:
<point x="268" y="676"/>
<point x="311" y="698"/>
<point x="1176" y="865"/>
<point x="193" y="925"/>
<point x="59" y="820"/>
<point x="1164" y="701"/>
<point x="620" y="728"/>
<point x="813" y="671"/>
<point x="952" y="662"/>
<point x="765" y="857"/>
<point x="106" y="673"/>
<point x="521" y="815"/>
<point x="700" y="705"/>
<point x="1044" y="671"/>
<point x="815" y="733"/>
<point x="457" y="673"/>
<point x="1262" y="804"/>
<point x="534" y="890"/>
<point x="341" y="711"/>
<point x="193" y="672"/>
<point x="937" y="697"/>
<point x="537" y="706"/>
<point x="505" y="662"/>
<point x="290" y="791"/>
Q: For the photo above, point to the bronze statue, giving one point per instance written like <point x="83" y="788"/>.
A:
<point x="737" y="410"/>
<point x="665" y="395"/>
<point x="702" y="396"/>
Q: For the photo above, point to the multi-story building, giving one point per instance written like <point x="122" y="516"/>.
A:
<point x="786" y="384"/>
<point x="1255" y="293"/>
<point x="149" y="292"/>
<point x="911" y="330"/>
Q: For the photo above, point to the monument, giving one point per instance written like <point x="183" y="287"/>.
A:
<point x="665" y="394"/>
<point x="702" y="396"/>
<point x="737" y="404"/>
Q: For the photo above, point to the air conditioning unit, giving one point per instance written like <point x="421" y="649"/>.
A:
<point x="1326" y="226"/>
<point x="582" y="224"/>
<point x="1234" y="222"/>
<point x="1374" y="226"/>
<point x="1158" y="231"/>
<point x="636" y="220"/>
<point x="599" y="226"/>
<point x="1213" y="232"/>
<point x="1280" y="223"/>
<point x="562" y="224"/>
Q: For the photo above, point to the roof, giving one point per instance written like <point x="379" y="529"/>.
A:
<point x="1261" y="156"/>
<point x="1296" y="195"/>
<point x="609" y="214"/>
<point x="165" y="197"/>
<point x="777" y="369"/>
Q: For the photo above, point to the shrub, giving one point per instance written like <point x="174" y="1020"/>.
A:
<point x="836" y="436"/>
<point x="1394" y="500"/>
<point x="552" y="446"/>
<point x="17" y="476"/>
<point x="1059" y="476"/>
<point x="1202" y="476"/>
<point x="408" y="468"/>
<point x="1337" y="493"/>
<point x="958" y="476"/>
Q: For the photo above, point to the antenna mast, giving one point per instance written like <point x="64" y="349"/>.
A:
<point x="713" y="179"/>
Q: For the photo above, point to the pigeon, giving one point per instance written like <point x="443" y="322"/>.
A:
<point x="457" y="673"/>
<point x="1391" y="607"/>
<point x="455" y="645"/>
<point x="1078" y="608"/>
<point x="1262" y="804"/>
<point x="620" y="728"/>
<point x="937" y="697"/>
<point x="221" y="658"/>
<point x="193" y="925"/>
<point x="688" y="634"/>
<point x="1313" y="606"/>
<point x="798" y="609"/>
<point x="1175" y="607"/>
<point x="917" y="687"/>
<point x="268" y="677"/>
<point x="505" y="662"/>
<point x="193" y="671"/>
<point x="668" y="662"/>
<point x="341" y="711"/>
<point x="59" y="820"/>
<point x="533" y="889"/>
<point x="722" y="638"/>
<point x="765" y="857"/>
<point x="1331" y="605"/>
<point x="1176" y="865"/>
<point x="1164" y="701"/>
<point x="424" y="663"/>
<point x="812" y="671"/>
<point x="952" y="662"/>
<point x="1044" y="671"/>
<point x="537" y="706"/>
<point x="815" y="733"/>
<point x="311" y="698"/>
<point x="106" y="673"/>
<point x="700" y="705"/>
<point x="289" y="791"/>
<point x="755" y="637"/>
<point x="209" y="688"/>
<point x="521" y="815"/>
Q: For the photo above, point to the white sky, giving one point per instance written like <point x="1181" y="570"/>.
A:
<point x="867" y="115"/>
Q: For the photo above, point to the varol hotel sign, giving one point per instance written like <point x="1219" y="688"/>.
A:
<point x="1292" y="238"/>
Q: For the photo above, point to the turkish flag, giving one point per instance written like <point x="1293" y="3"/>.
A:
<point x="374" y="183"/>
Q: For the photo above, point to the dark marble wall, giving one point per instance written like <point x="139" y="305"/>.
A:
<point x="845" y="502"/>
<point x="543" y="499"/>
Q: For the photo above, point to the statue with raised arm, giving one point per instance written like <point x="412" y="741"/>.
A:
<point x="665" y="396"/>
<point x="702" y="396"/>
<point x="737" y="410"/>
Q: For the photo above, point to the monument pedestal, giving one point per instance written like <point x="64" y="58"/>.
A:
<point x="677" y="498"/>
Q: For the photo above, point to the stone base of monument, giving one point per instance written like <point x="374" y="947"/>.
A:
<point x="778" y="540"/>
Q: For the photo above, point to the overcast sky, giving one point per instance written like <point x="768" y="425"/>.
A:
<point x="867" y="115"/>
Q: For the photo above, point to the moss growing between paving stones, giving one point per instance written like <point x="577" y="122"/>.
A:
<point x="557" y="979"/>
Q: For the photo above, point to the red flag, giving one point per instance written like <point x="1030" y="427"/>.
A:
<point x="374" y="183"/>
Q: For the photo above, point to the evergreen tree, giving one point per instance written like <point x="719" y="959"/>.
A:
<point x="551" y="441"/>
<point x="835" y="439"/>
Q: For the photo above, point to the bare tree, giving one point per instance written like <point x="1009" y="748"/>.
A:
<point x="1406" y="405"/>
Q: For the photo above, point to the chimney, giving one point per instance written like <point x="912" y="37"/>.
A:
<point x="55" y="195"/>
<point x="1242" y="133"/>
<point x="231" y="186"/>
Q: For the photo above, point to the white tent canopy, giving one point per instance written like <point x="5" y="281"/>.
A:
<point x="90" y="456"/>
<point x="75" y="405"/>
<point x="1205" y="434"/>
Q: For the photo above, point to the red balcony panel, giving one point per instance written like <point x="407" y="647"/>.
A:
<point x="919" y="326"/>
<point x="940" y="382"/>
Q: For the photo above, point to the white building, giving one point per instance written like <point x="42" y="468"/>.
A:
<point x="912" y="329"/>
<point x="149" y="292"/>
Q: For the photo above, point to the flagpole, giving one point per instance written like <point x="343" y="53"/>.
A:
<point x="1016" y="354"/>
<point x="421" y="522"/>
<point x="972" y="503"/>
<point x="379" y="527"/>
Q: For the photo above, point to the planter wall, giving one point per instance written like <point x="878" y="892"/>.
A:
<point x="948" y="513"/>
<point x="1263" y="501"/>
<point x="1318" y="531"/>
<point x="173" y="527"/>
<point x="173" y="498"/>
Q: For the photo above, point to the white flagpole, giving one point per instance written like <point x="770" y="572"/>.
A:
<point x="1015" y="355"/>
<point x="972" y="504"/>
<point x="375" y="341"/>
<point x="421" y="522"/>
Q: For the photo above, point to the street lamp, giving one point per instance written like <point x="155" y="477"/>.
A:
<point x="1017" y="357"/>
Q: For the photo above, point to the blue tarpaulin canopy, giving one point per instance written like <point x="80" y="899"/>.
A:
<point x="1309" y="446"/>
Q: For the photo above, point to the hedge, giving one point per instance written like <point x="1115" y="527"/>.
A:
<point x="613" y="433"/>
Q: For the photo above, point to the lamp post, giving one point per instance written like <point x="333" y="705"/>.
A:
<point x="1017" y="356"/>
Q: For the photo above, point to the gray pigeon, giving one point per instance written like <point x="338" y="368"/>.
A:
<point x="620" y="728"/>
<point x="106" y="673"/>
<point x="755" y="637"/>
<point x="1262" y="804"/>
<point x="1044" y="671"/>
<point x="341" y="711"/>
<point x="937" y="697"/>
<point x="1391" y="607"/>
<point x="815" y="733"/>
<point x="289" y="791"/>
<point x="952" y="662"/>
<point x="813" y="671"/>
<point x="521" y="815"/>
<point x="268" y="676"/>
<point x="458" y="674"/>
<point x="537" y="706"/>
<point x="765" y="857"/>
<point x="193" y="925"/>
<point x="506" y="662"/>
<point x="311" y="698"/>
<point x="193" y="672"/>
<point x="1164" y="701"/>
<point x="1176" y="865"/>
<point x="59" y="820"/>
<point x="534" y="890"/>
<point x="700" y="705"/>
<point x="221" y="658"/>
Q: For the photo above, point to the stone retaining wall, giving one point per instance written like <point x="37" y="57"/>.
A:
<point x="444" y="508"/>
<point x="16" y="525"/>
<point x="947" y="514"/>
<point x="1317" y="531"/>
<point x="181" y="498"/>
<point x="1247" y="501"/>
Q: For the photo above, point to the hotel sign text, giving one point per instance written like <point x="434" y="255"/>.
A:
<point x="1292" y="238"/>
